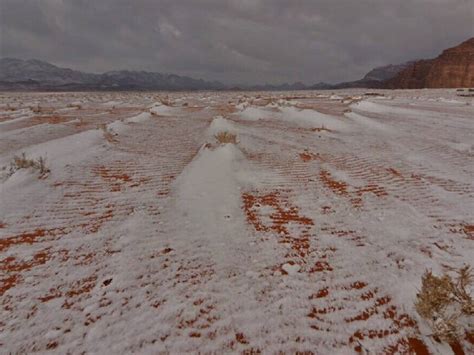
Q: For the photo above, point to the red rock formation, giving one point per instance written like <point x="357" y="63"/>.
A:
<point x="453" y="68"/>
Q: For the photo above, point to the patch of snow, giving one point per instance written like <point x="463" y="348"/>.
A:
<point x="220" y="124"/>
<point x="291" y="269"/>
<point x="159" y="109"/>
<point x="311" y="118"/>
<point x="139" y="118"/>
<point x="368" y="122"/>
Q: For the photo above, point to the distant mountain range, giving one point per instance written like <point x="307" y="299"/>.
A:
<point x="37" y="75"/>
<point x="453" y="68"/>
<point x="33" y="74"/>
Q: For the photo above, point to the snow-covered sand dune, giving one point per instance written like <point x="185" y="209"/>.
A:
<point x="310" y="234"/>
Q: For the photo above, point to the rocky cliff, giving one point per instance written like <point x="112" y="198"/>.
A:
<point x="453" y="68"/>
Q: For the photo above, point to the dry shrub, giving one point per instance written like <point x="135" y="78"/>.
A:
<point x="36" y="109"/>
<point x="108" y="135"/>
<point x="321" y="129"/>
<point x="443" y="301"/>
<point x="166" y="101"/>
<point x="22" y="162"/>
<point x="226" y="137"/>
<point x="41" y="110"/>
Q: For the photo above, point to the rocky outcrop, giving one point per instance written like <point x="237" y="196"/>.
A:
<point x="386" y="72"/>
<point x="452" y="69"/>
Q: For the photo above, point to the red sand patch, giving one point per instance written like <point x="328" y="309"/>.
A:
<point x="29" y="237"/>
<point x="342" y="189"/>
<point x="116" y="178"/>
<point x="240" y="337"/>
<point x="78" y="289"/>
<point x="284" y="220"/>
<point x="370" y="188"/>
<point x="82" y="286"/>
<point x="204" y="316"/>
<point x="98" y="219"/>
<point x="308" y="156"/>
<point x="321" y="266"/>
<point x="283" y="214"/>
<point x="381" y="306"/>
<point x="348" y="234"/>
<point x="11" y="264"/>
<point x="407" y="346"/>
<point x="8" y="282"/>
<point x="324" y="292"/>
<point x="394" y="172"/>
<point x="380" y="310"/>
<point x="469" y="230"/>
<point x="53" y="293"/>
<point x="458" y="228"/>
<point x="338" y="187"/>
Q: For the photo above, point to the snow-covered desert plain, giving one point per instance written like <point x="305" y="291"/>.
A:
<point x="143" y="233"/>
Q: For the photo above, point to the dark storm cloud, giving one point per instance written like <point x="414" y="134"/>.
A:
<point x="237" y="40"/>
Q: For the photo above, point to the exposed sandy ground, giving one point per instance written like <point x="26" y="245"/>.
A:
<point x="309" y="235"/>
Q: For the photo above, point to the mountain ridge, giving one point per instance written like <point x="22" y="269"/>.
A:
<point x="454" y="67"/>
<point x="34" y="74"/>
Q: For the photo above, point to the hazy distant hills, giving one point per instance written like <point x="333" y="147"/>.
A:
<point x="17" y="70"/>
<point x="17" y="74"/>
<point x="36" y="75"/>
<point x="453" y="68"/>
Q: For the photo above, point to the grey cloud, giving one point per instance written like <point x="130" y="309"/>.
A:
<point x="235" y="41"/>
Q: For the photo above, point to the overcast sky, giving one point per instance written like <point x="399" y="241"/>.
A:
<point x="235" y="41"/>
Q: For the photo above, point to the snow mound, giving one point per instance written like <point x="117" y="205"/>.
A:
<point x="366" y="121"/>
<point x="220" y="124"/>
<point x="66" y="150"/>
<point x="117" y="126"/>
<point x="208" y="190"/>
<point x="311" y="118"/>
<point x="305" y="118"/>
<point x="369" y="106"/>
<point x="159" y="109"/>
<point x="242" y="106"/>
<point x="139" y="118"/>
<point x="252" y="113"/>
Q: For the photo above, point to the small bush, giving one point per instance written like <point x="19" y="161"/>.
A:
<point x="41" y="110"/>
<point x="166" y="101"/>
<point x="443" y="301"/>
<point x="226" y="137"/>
<point x="36" y="109"/>
<point x="108" y="135"/>
<point x="321" y="129"/>
<point x="22" y="162"/>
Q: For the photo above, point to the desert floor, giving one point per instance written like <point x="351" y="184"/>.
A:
<point x="309" y="233"/>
